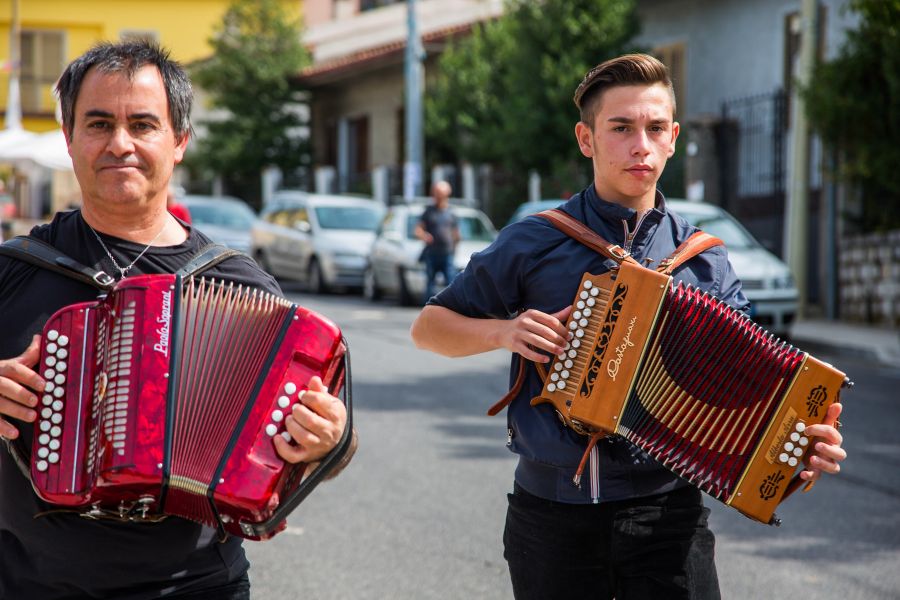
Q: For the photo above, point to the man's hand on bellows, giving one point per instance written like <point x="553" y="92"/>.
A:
<point x="316" y="423"/>
<point x="534" y="330"/>
<point x="19" y="386"/>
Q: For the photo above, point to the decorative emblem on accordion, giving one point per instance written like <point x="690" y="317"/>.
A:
<point x="163" y="397"/>
<point x="691" y="381"/>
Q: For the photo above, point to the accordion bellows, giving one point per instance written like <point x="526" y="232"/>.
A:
<point x="163" y="398"/>
<point x="691" y="381"/>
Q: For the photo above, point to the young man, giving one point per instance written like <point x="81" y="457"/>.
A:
<point x="439" y="230"/>
<point x="632" y="529"/>
<point x="126" y="114"/>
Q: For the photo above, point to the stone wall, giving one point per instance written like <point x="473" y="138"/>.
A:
<point x="869" y="276"/>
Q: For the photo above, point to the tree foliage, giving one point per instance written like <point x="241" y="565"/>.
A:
<point x="504" y="94"/>
<point x="257" y="55"/>
<point x="852" y="103"/>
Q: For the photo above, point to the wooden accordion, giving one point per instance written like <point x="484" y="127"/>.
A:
<point x="163" y="398"/>
<point x="691" y="381"/>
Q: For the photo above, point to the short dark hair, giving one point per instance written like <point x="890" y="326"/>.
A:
<point x="630" y="69"/>
<point x="127" y="58"/>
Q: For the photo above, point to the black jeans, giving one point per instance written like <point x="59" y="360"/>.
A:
<point x="658" y="547"/>
<point x="237" y="590"/>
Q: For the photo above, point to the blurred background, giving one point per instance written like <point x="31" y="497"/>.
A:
<point x="321" y="125"/>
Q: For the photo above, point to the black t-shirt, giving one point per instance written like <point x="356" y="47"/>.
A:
<point x="64" y="555"/>
<point x="441" y="224"/>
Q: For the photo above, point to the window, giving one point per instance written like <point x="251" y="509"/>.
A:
<point x="673" y="57"/>
<point x="43" y="58"/>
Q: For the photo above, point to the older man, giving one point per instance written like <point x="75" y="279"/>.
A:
<point x="126" y="114"/>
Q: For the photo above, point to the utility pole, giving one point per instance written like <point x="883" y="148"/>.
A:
<point x="797" y="228"/>
<point x="13" y="118"/>
<point x="414" y="74"/>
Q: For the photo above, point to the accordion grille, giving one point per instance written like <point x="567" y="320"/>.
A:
<point x="709" y="383"/>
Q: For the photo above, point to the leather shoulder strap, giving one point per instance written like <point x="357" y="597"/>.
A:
<point x="208" y="257"/>
<point x="580" y="232"/>
<point x="45" y="256"/>
<point x="691" y="247"/>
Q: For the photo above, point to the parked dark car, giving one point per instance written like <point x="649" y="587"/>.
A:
<point x="225" y="219"/>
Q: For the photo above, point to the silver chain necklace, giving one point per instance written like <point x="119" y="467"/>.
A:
<point x="123" y="271"/>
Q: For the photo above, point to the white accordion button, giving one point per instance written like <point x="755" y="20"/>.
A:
<point x="41" y="465"/>
<point x="290" y="388"/>
<point x="62" y="354"/>
<point x="584" y="296"/>
<point x="287" y="436"/>
<point x="803" y="441"/>
<point x="60" y="379"/>
<point x="61" y="366"/>
<point x="586" y="312"/>
<point x="551" y="387"/>
<point x="49" y="374"/>
<point x="53" y="458"/>
<point x="52" y="348"/>
<point x="575" y="315"/>
<point x="47" y="413"/>
<point x="43" y="452"/>
<point x="792" y="461"/>
<point x="573" y="325"/>
<point x="579" y="333"/>
<point x="561" y="355"/>
<point x="591" y="302"/>
<point x="564" y="374"/>
<point x="798" y="451"/>
<point x="568" y="364"/>
<point x="284" y="401"/>
<point x="580" y="305"/>
<point x="789" y="447"/>
<point x="47" y="399"/>
<point x="54" y="444"/>
<point x="800" y="426"/>
<point x="271" y="429"/>
<point x="63" y="340"/>
<point x="572" y="354"/>
<point x="51" y="361"/>
<point x="56" y="418"/>
<point x="588" y="284"/>
<point x="277" y="416"/>
<point x="583" y="323"/>
<point x="783" y="457"/>
<point x="594" y="292"/>
<point x="55" y="431"/>
<point x="554" y="376"/>
<point x="44" y="439"/>
<point x="576" y="343"/>
<point x="52" y="335"/>
<point x="59" y="392"/>
<point x="561" y="385"/>
<point x="795" y="437"/>
<point x="558" y="366"/>
<point x="45" y="426"/>
<point x="57" y="405"/>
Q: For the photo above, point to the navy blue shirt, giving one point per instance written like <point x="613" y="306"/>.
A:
<point x="533" y="265"/>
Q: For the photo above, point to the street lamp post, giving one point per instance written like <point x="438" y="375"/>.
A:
<point x="414" y="77"/>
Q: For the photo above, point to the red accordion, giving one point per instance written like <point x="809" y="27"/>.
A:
<point x="691" y="381"/>
<point x="163" y="397"/>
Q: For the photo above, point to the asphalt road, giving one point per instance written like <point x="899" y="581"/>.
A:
<point x="419" y="512"/>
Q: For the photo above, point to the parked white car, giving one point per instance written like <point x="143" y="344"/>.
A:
<point x="766" y="280"/>
<point x="394" y="267"/>
<point x="319" y="239"/>
<point x="225" y="219"/>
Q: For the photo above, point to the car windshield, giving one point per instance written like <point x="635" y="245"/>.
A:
<point x="359" y="218"/>
<point x="222" y="214"/>
<point x="723" y="227"/>
<point x="471" y="228"/>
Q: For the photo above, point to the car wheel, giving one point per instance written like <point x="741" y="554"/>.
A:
<point x="371" y="290"/>
<point x="316" y="278"/>
<point x="404" y="295"/>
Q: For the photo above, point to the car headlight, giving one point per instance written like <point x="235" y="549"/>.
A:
<point x="783" y="282"/>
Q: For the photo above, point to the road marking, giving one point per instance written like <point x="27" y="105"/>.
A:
<point x="368" y="314"/>
<point x="294" y="530"/>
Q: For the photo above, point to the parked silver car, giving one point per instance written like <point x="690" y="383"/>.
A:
<point x="394" y="267"/>
<point x="320" y="239"/>
<point x="226" y="220"/>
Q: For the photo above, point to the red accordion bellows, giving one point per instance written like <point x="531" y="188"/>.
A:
<point x="163" y="398"/>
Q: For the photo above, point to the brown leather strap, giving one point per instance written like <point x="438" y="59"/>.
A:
<point x="512" y="393"/>
<point x="691" y="247"/>
<point x="580" y="232"/>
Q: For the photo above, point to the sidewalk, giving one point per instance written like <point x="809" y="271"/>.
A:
<point x="881" y="344"/>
